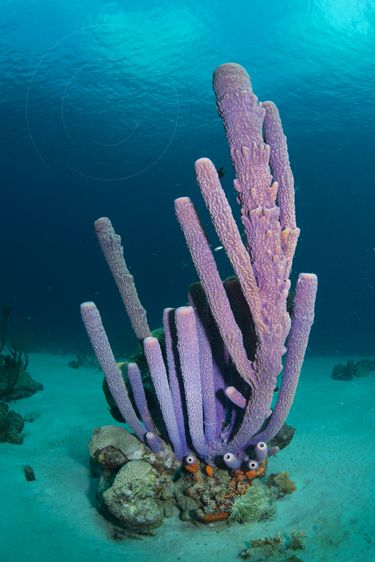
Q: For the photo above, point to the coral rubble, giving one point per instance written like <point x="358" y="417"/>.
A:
<point x="275" y="549"/>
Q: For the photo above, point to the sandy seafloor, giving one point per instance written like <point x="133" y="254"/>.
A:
<point x="331" y="459"/>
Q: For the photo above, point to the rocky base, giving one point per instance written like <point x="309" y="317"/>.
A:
<point x="11" y="425"/>
<point x="138" y="489"/>
<point x="16" y="385"/>
<point x="353" y="369"/>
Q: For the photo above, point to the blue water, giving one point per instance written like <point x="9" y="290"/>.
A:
<point x="106" y="105"/>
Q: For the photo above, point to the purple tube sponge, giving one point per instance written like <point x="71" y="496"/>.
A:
<point x="159" y="377"/>
<point x="99" y="341"/>
<point x="261" y="451"/>
<point x="154" y="442"/>
<point x="232" y="461"/>
<point x="110" y="243"/>
<point x="303" y="317"/>
<point x="253" y="464"/>
<point x="174" y="382"/>
<point x="214" y="373"/>
<point x="135" y="379"/>
<point x="235" y="396"/>
<point x="188" y="348"/>
<point x="209" y="276"/>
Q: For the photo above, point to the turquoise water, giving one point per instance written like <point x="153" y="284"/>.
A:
<point x="104" y="107"/>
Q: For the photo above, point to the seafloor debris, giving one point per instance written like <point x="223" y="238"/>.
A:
<point x="29" y="473"/>
<point x="11" y="425"/>
<point x="353" y="369"/>
<point x="30" y="417"/>
<point x="275" y="549"/>
<point x="281" y="484"/>
<point x="138" y="488"/>
<point x="83" y="360"/>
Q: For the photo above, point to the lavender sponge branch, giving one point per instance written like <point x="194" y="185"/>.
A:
<point x="282" y="173"/>
<point x="110" y="244"/>
<point x="174" y="383"/>
<point x="188" y="348"/>
<point x="159" y="377"/>
<point x="207" y="381"/>
<point x="99" y="341"/>
<point x="280" y="165"/>
<point x="271" y="231"/>
<point x="227" y="231"/>
<point x="209" y="276"/>
<point x="303" y="318"/>
<point x="135" y="379"/>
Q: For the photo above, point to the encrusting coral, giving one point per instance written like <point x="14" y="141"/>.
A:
<point x="116" y="437"/>
<point x="208" y="417"/>
<point x="132" y="498"/>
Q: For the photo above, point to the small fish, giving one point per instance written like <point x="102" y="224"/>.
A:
<point x="220" y="172"/>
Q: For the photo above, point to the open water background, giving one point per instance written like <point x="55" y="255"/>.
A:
<point x="104" y="106"/>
